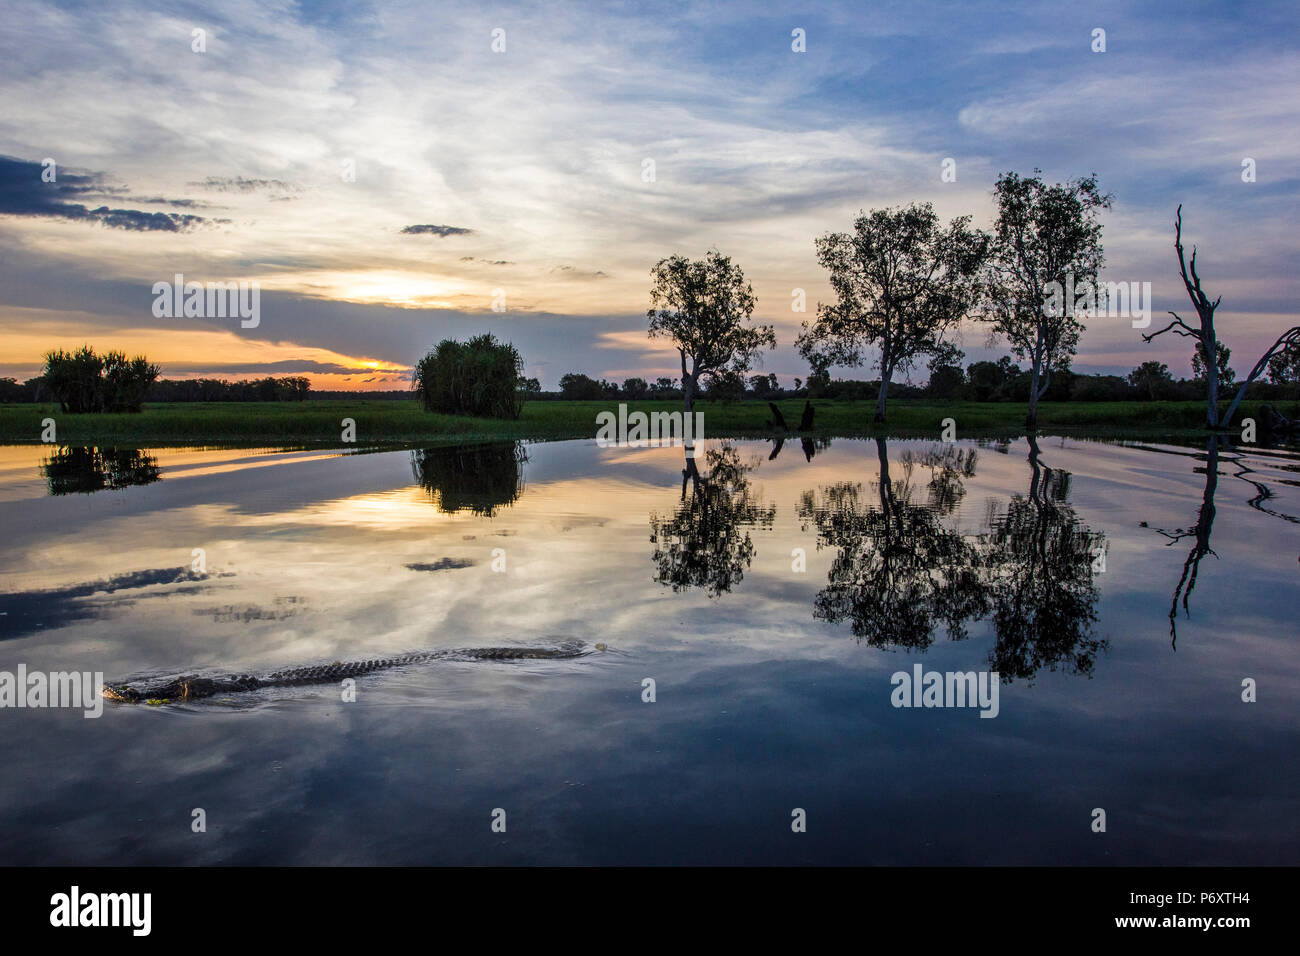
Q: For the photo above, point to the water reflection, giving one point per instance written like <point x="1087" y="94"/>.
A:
<point x="32" y="611"/>
<point x="476" y="478"/>
<point x="82" y="470"/>
<point x="1040" y="562"/>
<point x="1199" y="532"/>
<point x="808" y="446"/>
<point x="314" y="557"/>
<point x="705" y="543"/>
<point x="1200" y="535"/>
<point x="899" y="571"/>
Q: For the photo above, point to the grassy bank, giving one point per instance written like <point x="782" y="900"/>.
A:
<point x="402" y="421"/>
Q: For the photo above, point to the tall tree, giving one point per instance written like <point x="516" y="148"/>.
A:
<point x="1047" y="238"/>
<point x="901" y="281"/>
<point x="704" y="307"/>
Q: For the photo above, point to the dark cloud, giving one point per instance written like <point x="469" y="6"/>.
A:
<point x="440" y="231"/>
<point x="27" y="612"/>
<point x="487" y="262"/>
<point x="571" y="271"/>
<point x="178" y="203"/>
<point x="239" y="184"/>
<point x="442" y="564"/>
<point x="24" y="193"/>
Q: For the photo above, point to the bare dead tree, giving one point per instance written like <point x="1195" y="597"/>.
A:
<point x="1201" y="533"/>
<point x="1205" y="336"/>
<point x="1288" y="341"/>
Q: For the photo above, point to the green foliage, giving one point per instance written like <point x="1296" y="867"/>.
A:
<point x="704" y="307"/>
<point x="764" y="386"/>
<point x="901" y="280"/>
<point x="1151" y="379"/>
<point x="946" y="381"/>
<point x="992" y="381"/>
<point x="1044" y="234"/>
<point x="1284" y="367"/>
<point x="82" y="381"/>
<point x="289" y="424"/>
<point x="578" y="387"/>
<point x="480" y="377"/>
<point x="1227" y="376"/>
<point x="726" y="386"/>
<point x="665" y="388"/>
<point x="1100" y="388"/>
<point x="636" y="389"/>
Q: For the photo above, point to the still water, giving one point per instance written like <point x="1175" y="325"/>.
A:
<point x="1127" y="596"/>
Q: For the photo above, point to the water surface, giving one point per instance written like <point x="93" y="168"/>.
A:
<point x="770" y="593"/>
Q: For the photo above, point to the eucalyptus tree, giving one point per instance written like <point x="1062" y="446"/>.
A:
<point x="1046" y="239"/>
<point x="705" y="308"/>
<point x="901" y="281"/>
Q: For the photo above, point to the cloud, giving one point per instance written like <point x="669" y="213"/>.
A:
<point x="576" y="273"/>
<point x="178" y="203"/>
<point x="441" y="232"/>
<point x="241" y="184"/>
<point x="442" y="564"/>
<point x="24" y="193"/>
<point x="263" y="369"/>
<point x="756" y="150"/>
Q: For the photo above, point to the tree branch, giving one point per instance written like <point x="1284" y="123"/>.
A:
<point x="1177" y="326"/>
<point x="1286" y="341"/>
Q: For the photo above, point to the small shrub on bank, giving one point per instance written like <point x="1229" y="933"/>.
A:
<point x="480" y="377"/>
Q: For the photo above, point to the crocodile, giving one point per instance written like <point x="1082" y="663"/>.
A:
<point x="161" y="690"/>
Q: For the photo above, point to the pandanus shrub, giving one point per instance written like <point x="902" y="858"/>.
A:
<point x="479" y="377"/>
<point x="82" y="381"/>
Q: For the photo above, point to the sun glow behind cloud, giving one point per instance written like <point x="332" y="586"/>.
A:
<point x="191" y="353"/>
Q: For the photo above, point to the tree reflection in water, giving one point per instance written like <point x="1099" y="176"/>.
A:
<point x="900" y="571"/>
<point x="476" y="478"/>
<point x="1039" y="565"/>
<point x="1199" y="533"/>
<point x="81" y="470"/>
<point x="705" y="542"/>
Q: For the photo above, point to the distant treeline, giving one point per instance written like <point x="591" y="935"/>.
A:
<point x="1000" y="381"/>
<point x="286" y="389"/>
<point x="290" y="388"/>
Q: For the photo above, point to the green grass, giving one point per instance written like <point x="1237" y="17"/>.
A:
<point x="402" y="421"/>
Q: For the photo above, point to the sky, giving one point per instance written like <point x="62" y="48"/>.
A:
<point x="386" y="176"/>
